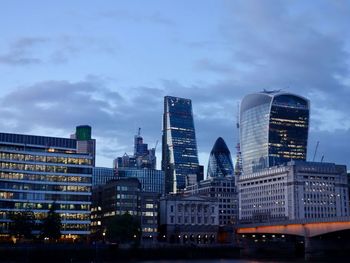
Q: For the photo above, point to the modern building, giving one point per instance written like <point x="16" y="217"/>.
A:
<point x="38" y="171"/>
<point x="220" y="162"/>
<point x="189" y="219"/>
<point x="273" y="129"/>
<point x="179" y="147"/>
<point x="151" y="180"/>
<point x="224" y="190"/>
<point x="296" y="190"/>
<point x="149" y="216"/>
<point x="120" y="196"/>
<point x="101" y="175"/>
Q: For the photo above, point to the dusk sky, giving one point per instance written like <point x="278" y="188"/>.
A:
<point x="110" y="63"/>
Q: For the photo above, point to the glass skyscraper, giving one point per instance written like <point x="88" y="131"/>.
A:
<point x="220" y="162"/>
<point x="38" y="171"/>
<point x="179" y="148"/>
<point x="273" y="129"/>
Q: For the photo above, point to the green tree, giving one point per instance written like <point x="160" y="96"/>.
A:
<point x="51" y="225"/>
<point x="22" y="224"/>
<point x="123" y="229"/>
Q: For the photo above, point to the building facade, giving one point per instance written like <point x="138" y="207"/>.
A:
<point x="151" y="180"/>
<point x="296" y="190"/>
<point x="224" y="190"/>
<point x="38" y="171"/>
<point x="220" y="162"/>
<point x="179" y="145"/>
<point x="120" y="196"/>
<point x="101" y="175"/>
<point x="273" y="129"/>
<point x="189" y="219"/>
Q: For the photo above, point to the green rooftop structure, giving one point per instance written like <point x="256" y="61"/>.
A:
<point x="83" y="133"/>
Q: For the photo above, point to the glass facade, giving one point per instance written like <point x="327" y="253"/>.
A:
<point x="101" y="175"/>
<point x="220" y="162"/>
<point x="179" y="149"/>
<point x="151" y="180"/>
<point x="273" y="129"/>
<point x="36" y="171"/>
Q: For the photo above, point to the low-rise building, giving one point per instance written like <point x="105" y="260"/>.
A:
<point x="189" y="219"/>
<point x="224" y="190"/>
<point x="120" y="196"/>
<point x="296" y="190"/>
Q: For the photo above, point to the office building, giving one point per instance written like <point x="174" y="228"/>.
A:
<point x="151" y="180"/>
<point x="101" y="175"/>
<point x="179" y="147"/>
<point x="296" y="190"/>
<point x="220" y="162"/>
<point x="224" y="190"/>
<point x="273" y="129"/>
<point x="120" y="196"/>
<point x="189" y="219"/>
<point x="149" y="216"/>
<point x="37" y="171"/>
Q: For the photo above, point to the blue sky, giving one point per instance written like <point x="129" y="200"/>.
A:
<point x="109" y="64"/>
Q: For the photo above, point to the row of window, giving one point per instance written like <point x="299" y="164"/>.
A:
<point x="43" y="196"/>
<point x="45" y="177"/>
<point x="44" y="168"/>
<point x="44" y="206"/>
<point x="44" y="158"/>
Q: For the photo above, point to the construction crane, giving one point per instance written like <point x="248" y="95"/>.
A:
<point x="313" y="159"/>
<point x="155" y="147"/>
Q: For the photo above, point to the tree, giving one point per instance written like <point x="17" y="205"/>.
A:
<point x="22" y="224"/>
<point x="51" y="225"/>
<point x="123" y="229"/>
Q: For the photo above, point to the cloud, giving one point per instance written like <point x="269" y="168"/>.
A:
<point x="19" y="52"/>
<point x="153" y="18"/>
<point x="27" y="51"/>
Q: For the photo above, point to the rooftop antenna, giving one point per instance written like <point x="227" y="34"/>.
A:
<point x="139" y="132"/>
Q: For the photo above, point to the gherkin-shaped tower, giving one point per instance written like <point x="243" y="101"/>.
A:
<point x="220" y="162"/>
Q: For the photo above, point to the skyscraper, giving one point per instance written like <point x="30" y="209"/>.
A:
<point x="273" y="129"/>
<point x="220" y="162"/>
<point x="179" y="148"/>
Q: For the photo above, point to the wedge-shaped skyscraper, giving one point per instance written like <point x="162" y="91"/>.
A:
<point x="273" y="129"/>
<point x="179" y="147"/>
<point x="220" y="162"/>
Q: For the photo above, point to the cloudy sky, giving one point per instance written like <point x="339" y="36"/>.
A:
<point x="109" y="64"/>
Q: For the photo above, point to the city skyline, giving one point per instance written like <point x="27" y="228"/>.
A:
<point x="110" y="65"/>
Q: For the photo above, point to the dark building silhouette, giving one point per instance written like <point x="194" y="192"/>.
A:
<point x="273" y="129"/>
<point x="220" y="162"/>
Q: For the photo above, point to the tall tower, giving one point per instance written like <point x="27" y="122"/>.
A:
<point x="274" y="129"/>
<point x="179" y="147"/>
<point x="220" y="162"/>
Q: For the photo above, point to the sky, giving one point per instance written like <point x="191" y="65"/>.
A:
<point x="109" y="64"/>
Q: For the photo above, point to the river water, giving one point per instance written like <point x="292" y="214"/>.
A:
<point x="223" y="261"/>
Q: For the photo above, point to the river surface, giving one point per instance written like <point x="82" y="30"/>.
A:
<point x="224" y="261"/>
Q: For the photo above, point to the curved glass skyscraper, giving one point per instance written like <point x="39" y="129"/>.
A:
<point x="179" y="148"/>
<point x="220" y="162"/>
<point x="273" y="129"/>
